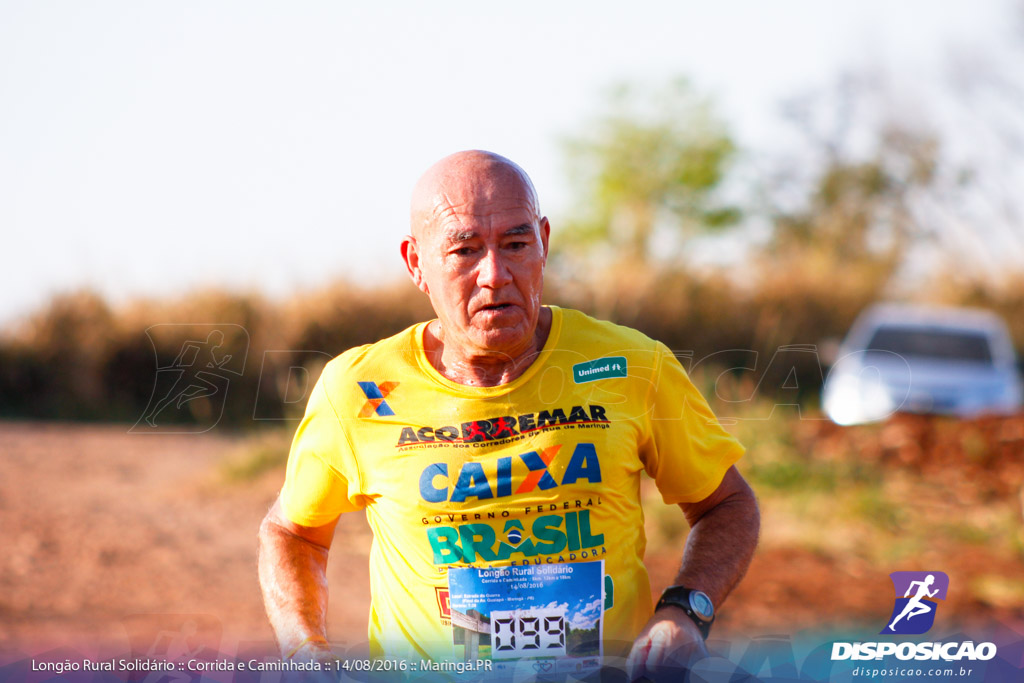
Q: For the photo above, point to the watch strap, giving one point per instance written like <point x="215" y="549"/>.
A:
<point x="679" y="596"/>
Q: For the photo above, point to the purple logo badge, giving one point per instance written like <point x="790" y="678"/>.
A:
<point x="917" y="594"/>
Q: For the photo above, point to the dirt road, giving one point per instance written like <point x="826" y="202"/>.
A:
<point x="102" y="528"/>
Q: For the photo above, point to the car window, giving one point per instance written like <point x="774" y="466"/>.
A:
<point x="939" y="344"/>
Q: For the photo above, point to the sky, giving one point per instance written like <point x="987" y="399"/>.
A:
<point x="149" y="148"/>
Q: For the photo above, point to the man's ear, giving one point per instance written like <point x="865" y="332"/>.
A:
<point x="411" y="256"/>
<point x="545" y="234"/>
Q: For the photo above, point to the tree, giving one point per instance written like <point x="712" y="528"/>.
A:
<point x="866" y="175"/>
<point x="653" y="161"/>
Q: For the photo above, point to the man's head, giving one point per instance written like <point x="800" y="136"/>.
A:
<point x="477" y="249"/>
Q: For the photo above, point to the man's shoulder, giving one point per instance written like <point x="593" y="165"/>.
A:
<point x="580" y="331"/>
<point x="388" y="354"/>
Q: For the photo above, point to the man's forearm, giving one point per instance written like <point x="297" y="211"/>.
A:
<point x="293" y="578"/>
<point x="721" y="544"/>
<point x="723" y="535"/>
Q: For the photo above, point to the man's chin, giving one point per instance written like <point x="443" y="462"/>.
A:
<point x="511" y="340"/>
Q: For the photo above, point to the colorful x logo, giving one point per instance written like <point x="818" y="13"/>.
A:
<point x="537" y="462"/>
<point x="375" y="394"/>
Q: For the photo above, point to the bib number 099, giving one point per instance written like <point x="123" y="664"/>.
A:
<point x="527" y="633"/>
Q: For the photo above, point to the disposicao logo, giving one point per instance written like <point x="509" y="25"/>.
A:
<point x="914" y="612"/>
<point x="602" y="368"/>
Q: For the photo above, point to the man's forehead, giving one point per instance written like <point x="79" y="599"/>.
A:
<point x="473" y="189"/>
<point x="483" y="193"/>
<point x="452" y="220"/>
<point x="481" y="207"/>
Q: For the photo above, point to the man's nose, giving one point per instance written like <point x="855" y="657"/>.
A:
<point x="493" y="272"/>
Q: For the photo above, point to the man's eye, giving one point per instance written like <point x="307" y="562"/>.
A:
<point x="516" y="246"/>
<point x="463" y="251"/>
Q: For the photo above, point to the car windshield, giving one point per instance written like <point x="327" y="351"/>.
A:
<point x="938" y="344"/>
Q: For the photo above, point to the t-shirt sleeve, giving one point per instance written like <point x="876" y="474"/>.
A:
<point x="322" y="479"/>
<point x="687" y="452"/>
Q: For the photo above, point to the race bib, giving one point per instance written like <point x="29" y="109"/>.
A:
<point x="536" y="618"/>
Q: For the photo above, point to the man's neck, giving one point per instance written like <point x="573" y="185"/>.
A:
<point x="482" y="368"/>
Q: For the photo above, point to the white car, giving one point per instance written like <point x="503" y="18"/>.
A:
<point x="953" y="361"/>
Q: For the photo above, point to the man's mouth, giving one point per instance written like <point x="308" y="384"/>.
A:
<point x="496" y="307"/>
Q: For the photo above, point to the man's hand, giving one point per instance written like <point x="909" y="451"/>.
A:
<point x="668" y="645"/>
<point x="313" y="648"/>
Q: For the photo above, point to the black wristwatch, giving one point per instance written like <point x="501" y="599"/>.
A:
<point x="696" y="604"/>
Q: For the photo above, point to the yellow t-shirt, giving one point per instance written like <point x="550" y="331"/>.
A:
<point x="543" y="470"/>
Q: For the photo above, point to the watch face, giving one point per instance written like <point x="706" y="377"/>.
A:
<point x="701" y="604"/>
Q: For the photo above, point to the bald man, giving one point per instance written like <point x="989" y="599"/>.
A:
<point x="497" y="452"/>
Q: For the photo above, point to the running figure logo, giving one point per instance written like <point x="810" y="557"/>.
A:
<point x="201" y="370"/>
<point x="914" y="612"/>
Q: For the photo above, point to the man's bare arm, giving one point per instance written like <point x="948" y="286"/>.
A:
<point x="293" y="577"/>
<point x="723" y="535"/>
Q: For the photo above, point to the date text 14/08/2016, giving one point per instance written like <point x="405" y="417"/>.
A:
<point x="404" y="665"/>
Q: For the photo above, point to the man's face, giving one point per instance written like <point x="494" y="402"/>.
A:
<point x="480" y="257"/>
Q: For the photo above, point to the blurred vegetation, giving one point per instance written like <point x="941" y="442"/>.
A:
<point x="654" y="158"/>
<point x="885" y="491"/>
<point x="260" y="452"/>
<point x="863" y="500"/>
<point x="79" y="359"/>
<point x="815" y="241"/>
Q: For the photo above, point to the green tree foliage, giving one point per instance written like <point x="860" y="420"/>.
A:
<point x="652" y="160"/>
<point x="870" y="172"/>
